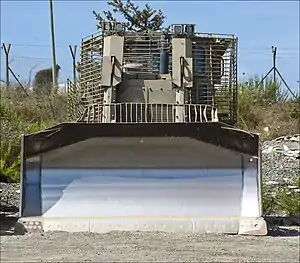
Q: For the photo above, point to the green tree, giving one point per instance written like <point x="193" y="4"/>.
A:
<point x="139" y="19"/>
<point x="43" y="80"/>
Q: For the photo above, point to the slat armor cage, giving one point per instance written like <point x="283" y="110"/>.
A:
<point x="214" y="71"/>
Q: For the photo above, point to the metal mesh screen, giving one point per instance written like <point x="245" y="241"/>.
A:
<point x="90" y="72"/>
<point x="144" y="49"/>
<point x="75" y="105"/>
<point x="215" y="74"/>
<point x="90" y="69"/>
<point x="215" y="69"/>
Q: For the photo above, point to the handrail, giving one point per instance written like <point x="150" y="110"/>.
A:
<point x="133" y="112"/>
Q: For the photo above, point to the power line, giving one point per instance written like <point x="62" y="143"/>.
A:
<point x="282" y="56"/>
<point x="265" y="48"/>
<point x="31" y="58"/>
<point x="240" y="54"/>
<point x="38" y="45"/>
<point x="240" y="48"/>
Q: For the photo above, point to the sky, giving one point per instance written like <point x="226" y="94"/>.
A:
<point x="259" y="25"/>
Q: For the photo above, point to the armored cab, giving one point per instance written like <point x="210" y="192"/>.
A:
<point x="182" y="75"/>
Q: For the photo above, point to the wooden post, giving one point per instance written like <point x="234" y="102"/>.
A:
<point x="6" y="51"/>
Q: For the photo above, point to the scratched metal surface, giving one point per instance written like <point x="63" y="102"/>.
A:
<point x="154" y="178"/>
<point x="141" y="193"/>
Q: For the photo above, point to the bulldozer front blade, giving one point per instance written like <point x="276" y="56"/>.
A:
<point x="175" y="177"/>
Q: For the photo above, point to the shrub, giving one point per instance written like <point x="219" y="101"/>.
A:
<point x="267" y="105"/>
<point x="12" y="128"/>
<point x="36" y="107"/>
<point x="289" y="198"/>
<point x="284" y="199"/>
<point x="11" y="125"/>
<point x="43" y="81"/>
<point x="10" y="162"/>
<point x="31" y="114"/>
<point x="269" y="200"/>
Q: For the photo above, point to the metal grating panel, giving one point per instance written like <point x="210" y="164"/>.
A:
<point x="215" y="69"/>
<point x="144" y="49"/>
<point x="90" y="69"/>
<point x="75" y="105"/>
<point x="215" y="78"/>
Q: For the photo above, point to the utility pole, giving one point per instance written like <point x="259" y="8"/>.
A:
<point x="73" y="54"/>
<point x="54" y="77"/>
<point x="6" y="51"/>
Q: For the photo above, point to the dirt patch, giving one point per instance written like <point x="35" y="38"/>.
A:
<point x="149" y="247"/>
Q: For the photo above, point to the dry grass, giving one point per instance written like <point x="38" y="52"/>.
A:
<point x="21" y="113"/>
<point x="272" y="120"/>
<point x="35" y="107"/>
<point x="267" y="109"/>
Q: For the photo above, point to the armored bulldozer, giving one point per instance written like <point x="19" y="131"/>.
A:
<point x="150" y="144"/>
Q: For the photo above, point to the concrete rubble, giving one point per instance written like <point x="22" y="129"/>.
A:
<point x="281" y="160"/>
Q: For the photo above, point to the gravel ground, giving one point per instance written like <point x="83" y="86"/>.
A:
<point x="280" y="159"/>
<point x="148" y="247"/>
<point x="9" y="199"/>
